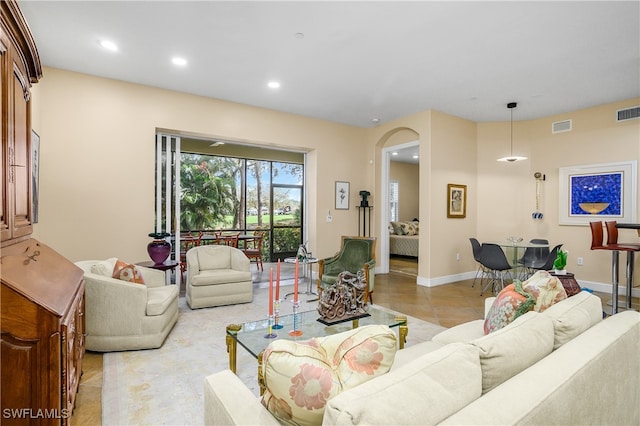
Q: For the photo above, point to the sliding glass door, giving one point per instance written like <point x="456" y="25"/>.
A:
<point x="200" y="192"/>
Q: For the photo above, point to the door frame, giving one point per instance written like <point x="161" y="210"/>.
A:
<point x="383" y="263"/>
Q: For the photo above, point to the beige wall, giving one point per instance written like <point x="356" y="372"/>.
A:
<point x="97" y="160"/>
<point x="506" y="192"/>
<point x="97" y="169"/>
<point x="408" y="177"/>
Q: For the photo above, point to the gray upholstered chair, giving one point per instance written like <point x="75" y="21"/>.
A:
<point x="217" y="275"/>
<point x="123" y="316"/>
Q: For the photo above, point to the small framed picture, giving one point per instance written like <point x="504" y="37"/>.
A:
<point x="456" y="201"/>
<point x="342" y="195"/>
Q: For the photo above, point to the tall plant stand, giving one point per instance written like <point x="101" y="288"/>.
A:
<point x="364" y="218"/>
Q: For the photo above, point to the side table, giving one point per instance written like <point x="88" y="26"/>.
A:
<point x="307" y="272"/>
<point x="569" y="283"/>
<point x="167" y="265"/>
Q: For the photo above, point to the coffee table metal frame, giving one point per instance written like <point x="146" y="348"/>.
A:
<point x="250" y="335"/>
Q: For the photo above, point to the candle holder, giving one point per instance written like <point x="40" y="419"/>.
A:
<point x="296" y="320"/>
<point x="270" y="334"/>
<point x="276" y="315"/>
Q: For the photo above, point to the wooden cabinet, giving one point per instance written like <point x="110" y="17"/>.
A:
<point x="43" y="334"/>
<point x="19" y="68"/>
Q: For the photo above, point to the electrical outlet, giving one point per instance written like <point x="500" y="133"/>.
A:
<point x="580" y="261"/>
<point x="458" y="256"/>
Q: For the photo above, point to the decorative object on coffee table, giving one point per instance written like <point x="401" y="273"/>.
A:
<point x="159" y="249"/>
<point x="345" y="300"/>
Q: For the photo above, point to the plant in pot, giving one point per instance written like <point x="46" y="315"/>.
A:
<point x="560" y="264"/>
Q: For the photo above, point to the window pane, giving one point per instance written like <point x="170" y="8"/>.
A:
<point x="393" y="200"/>
<point x="258" y="193"/>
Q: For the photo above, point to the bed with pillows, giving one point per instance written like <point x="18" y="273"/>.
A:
<point x="404" y="238"/>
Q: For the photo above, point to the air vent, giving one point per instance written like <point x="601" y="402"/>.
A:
<point x="561" y="126"/>
<point x="628" y="113"/>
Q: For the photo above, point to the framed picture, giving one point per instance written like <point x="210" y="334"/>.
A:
<point x="456" y="200"/>
<point x="342" y="195"/>
<point x="35" y="174"/>
<point x="604" y="191"/>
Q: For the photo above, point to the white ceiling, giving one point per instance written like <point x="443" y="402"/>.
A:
<point x="358" y="60"/>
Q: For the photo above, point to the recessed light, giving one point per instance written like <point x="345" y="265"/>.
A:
<point x="375" y="120"/>
<point x="415" y="157"/>
<point x="273" y="85"/>
<point x="394" y="153"/>
<point x="179" y="61"/>
<point x="109" y="45"/>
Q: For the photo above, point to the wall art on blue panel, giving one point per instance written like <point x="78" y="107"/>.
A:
<point x="606" y="191"/>
<point x="599" y="189"/>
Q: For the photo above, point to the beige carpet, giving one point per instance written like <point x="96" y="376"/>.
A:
<point x="166" y="385"/>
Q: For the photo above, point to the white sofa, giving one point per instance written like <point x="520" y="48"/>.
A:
<point x="123" y="316"/>
<point x="563" y="366"/>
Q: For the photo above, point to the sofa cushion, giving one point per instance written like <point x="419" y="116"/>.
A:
<point x="461" y="333"/>
<point x="220" y="276"/>
<point x="160" y="298"/>
<point x="573" y="316"/>
<point x="424" y="391"/>
<point x="127" y="272"/>
<point x="511" y="349"/>
<point x="214" y="257"/>
<point x="104" y="267"/>
<point x="300" y="377"/>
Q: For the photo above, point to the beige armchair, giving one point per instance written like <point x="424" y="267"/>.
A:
<point x="124" y="316"/>
<point x="217" y="275"/>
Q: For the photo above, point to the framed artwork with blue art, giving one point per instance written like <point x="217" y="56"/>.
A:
<point x="605" y="191"/>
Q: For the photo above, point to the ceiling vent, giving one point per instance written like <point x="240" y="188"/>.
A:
<point x="628" y="113"/>
<point x="561" y="126"/>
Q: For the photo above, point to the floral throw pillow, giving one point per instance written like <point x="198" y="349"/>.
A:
<point x="300" y="377"/>
<point x="511" y="302"/>
<point x="546" y="289"/>
<point x="127" y="272"/>
<point x="409" y="228"/>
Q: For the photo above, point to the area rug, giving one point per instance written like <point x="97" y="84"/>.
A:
<point x="166" y="385"/>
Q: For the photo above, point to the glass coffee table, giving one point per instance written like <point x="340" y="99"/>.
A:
<point x="251" y="335"/>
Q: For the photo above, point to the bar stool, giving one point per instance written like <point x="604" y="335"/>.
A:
<point x="597" y="243"/>
<point x="630" y="248"/>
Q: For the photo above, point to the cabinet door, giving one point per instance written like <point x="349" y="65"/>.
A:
<point x="5" y="232"/>
<point x="20" y="138"/>
<point x="16" y="144"/>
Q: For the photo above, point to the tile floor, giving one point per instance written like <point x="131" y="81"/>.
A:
<point x="446" y="305"/>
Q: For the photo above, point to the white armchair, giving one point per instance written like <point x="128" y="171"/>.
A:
<point x="126" y="316"/>
<point x="217" y="275"/>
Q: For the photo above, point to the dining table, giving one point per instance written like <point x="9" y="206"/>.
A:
<point x="514" y="250"/>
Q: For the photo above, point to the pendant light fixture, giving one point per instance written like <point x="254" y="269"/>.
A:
<point x="512" y="158"/>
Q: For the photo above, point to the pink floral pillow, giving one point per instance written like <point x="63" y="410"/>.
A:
<point x="510" y="303"/>
<point x="537" y="293"/>
<point x="300" y="377"/>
